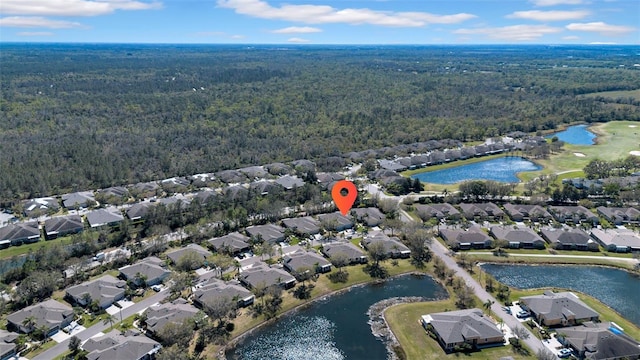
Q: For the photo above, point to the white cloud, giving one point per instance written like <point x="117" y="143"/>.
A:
<point x="298" y="40"/>
<point x="36" y="22"/>
<point x="297" y="30"/>
<point x="570" y="37"/>
<point x="556" y="2"/>
<point x="237" y="37"/>
<point x="512" y="33"/>
<point x="553" y="15"/>
<point x="600" y="27"/>
<point x="35" y="33"/>
<point x="323" y="14"/>
<point x="72" y="7"/>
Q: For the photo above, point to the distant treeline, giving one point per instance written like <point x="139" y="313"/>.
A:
<point x="79" y="117"/>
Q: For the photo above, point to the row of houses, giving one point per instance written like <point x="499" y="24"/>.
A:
<point x="580" y="326"/>
<point x="520" y="236"/>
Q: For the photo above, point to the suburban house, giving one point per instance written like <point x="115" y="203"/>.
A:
<point x="104" y="218"/>
<point x="481" y="211"/>
<point x="62" y="225"/>
<point x="599" y="341"/>
<point x="518" y="236"/>
<point x="231" y="176"/>
<point x="7" y="344"/>
<point x="299" y="260"/>
<point x="78" y="200"/>
<point x="520" y="212"/>
<point x="236" y="192"/>
<point x="289" y="182"/>
<point x="204" y="197"/>
<point x="457" y="328"/>
<point x="178" y="254"/>
<point x="370" y="216"/>
<point x="439" y="211"/>
<point x="558" y="309"/>
<point x="278" y="168"/>
<point x="114" y="192"/>
<point x="138" y="211"/>
<point x="233" y="243"/>
<point x="568" y="239"/>
<point x="617" y="240"/>
<point x="264" y="276"/>
<point x="270" y="233"/>
<point x="392" y="245"/>
<point x="131" y="345"/>
<point x="19" y="233"/>
<point x="40" y="206"/>
<point x="391" y="165"/>
<point x="573" y="214"/>
<point x="254" y="172"/>
<point x="335" y="221"/>
<point x="327" y="179"/>
<point x="150" y="269"/>
<point x="264" y="187"/>
<point x="471" y="238"/>
<point x="176" y="312"/>
<point x="303" y="225"/>
<point x="353" y="253"/>
<point x="104" y="290"/>
<point x="618" y="215"/>
<point x="51" y="314"/>
<point x="215" y="289"/>
<point x="175" y="184"/>
<point x="146" y="189"/>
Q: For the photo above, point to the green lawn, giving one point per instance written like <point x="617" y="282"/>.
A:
<point x="551" y="259"/>
<point x="404" y="320"/>
<point x="24" y="249"/>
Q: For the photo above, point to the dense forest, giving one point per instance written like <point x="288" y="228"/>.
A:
<point x="87" y="116"/>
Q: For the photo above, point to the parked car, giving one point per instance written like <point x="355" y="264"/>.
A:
<point x="563" y="353"/>
<point x="156" y="288"/>
<point x="523" y="314"/>
<point x="507" y="309"/>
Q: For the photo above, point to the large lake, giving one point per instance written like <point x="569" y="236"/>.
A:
<point x="576" y="135"/>
<point x="333" y="328"/>
<point x="616" y="288"/>
<point x="503" y="169"/>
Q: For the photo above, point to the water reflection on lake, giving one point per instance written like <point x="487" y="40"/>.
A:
<point x="576" y="135"/>
<point x="504" y="169"/>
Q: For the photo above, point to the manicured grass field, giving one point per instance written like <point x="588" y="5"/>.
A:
<point x="404" y="320"/>
<point x="616" y="94"/>
<point x="551" y="259"/>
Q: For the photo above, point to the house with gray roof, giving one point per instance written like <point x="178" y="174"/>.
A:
<point x="353" y="252"/>
<point x="232" y="243"/>
<point x="236" y="192"/>
<point x="62" y="225"/>
<point x="264" y="187"/>
<point x="19" y="233"/>
<point x="439" y="211"/>
<point x="289" y="182"/>
<point x="569" y="239"/>
<point x="481" y="211"/>
<point x="599" y="341"/>
<point x="202" y="180"/>
<point x="370" y="216"/>
<point x="278" y="169"/>
<point x="114" y="192"/>
<point x="175" y="312"/>
<point x="303" y="225"/>
<point x="299" y="260"/>
<point x="51" y="314"/>
<point x="619" y="215"/>
<point x="456" y="328"/>
<point x="573" y="214"/>
<point x="392" y="165"/>
<point x="131" y="345"/>
<point x="215" y="289"/>
<point x="335" y="221"/>
<point x="104" y="218"/>
<point x="518" y="236"/>
<point x="105" y="290"/>
<point x="262" y="275"/>
<point x="7" y="344"/>
<point x="558" y="309"/>
<point x="175" y="184"/>
<point x="78" y="200"/>
<point x="270" y="233"/>
<point x="138" y="211"/>
<point x="177" y="200"/>
<point x="151" y="269"/>
<point x="231" y="176"/>
<point x="392" y="245"/>
<point x="178" y="254"/>
<point x="465" y="239"/>
<point x="617" y="240"/>
<point x="327" y="180"/>
<point x="303" y="165"/>
<point x="40" y="206"/>
<point x="254" y="172"/>
<point x="521" y="212"/>
<point x="146" y="189"/>
<point x="206" y="196"/>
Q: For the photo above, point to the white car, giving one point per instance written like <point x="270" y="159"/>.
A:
<point x="563" y="353"/>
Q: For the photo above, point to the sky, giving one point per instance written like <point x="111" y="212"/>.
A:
<point x="322" y="21"/>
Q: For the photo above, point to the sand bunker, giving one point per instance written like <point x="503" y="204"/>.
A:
<point x="579" y="154"/>
<point x="633" y="126"/>
<point x="635" y="152"/>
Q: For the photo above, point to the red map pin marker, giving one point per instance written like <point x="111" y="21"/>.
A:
<point x="344" y="202"/>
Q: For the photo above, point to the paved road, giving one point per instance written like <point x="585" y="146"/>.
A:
<point x="100" y="326"/>
<point x="606" y="258"/>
